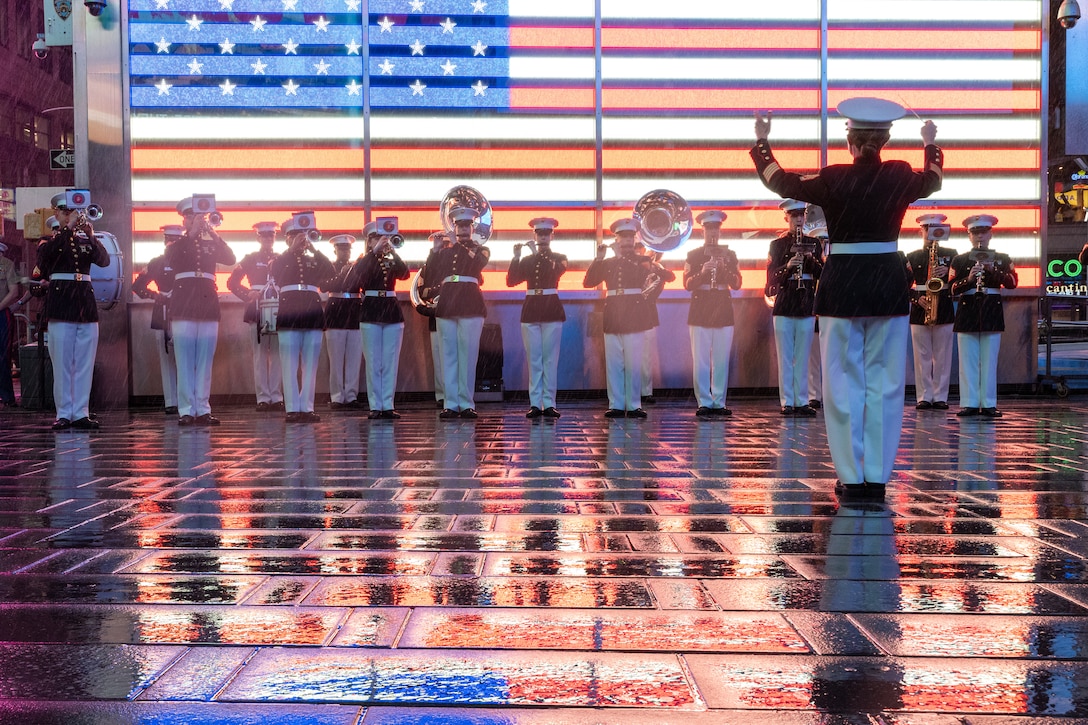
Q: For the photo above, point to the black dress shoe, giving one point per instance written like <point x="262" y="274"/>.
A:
<point x="333" y="405"/>
<point x="61" y="424"/>
<point x="648" y="400"/>
<point x="940" y="405"/>
<point x="440" y="404"/>
<point x="615" y="413"/>
<point x="470" y="413"/>
<point x="263" y="407"/>
<point x="186" y="420"/>
<point x="923" y="405"/>
<point x="86" y="424"/>
<point x="534" y="412"/>
<point x="637" y="413"/>
<point x="803" y="411"/>
<point x="447" y="414"/>
<point x="293" y="417"/>
<point x="724" y="412"/>
<point x="172" y="410"/>
<point x="390" y="415"/>
<point x="874" y="491"/>
<point x="815" y="404"/>
<point x="311" y="417"/>
<point x="277" y="406"/>
<point x="789" y="411"/>
<point x="984" y="412"/>
<point x="704" y="412"/>
<point x="968" y="412"/>
<point x="551" y="412"/>
<point x="850" y="490"/>
<point x="206" y="419"/>
<point x="374" y="414"/>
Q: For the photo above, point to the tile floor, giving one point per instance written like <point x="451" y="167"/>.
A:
<point x="577" y="571"/>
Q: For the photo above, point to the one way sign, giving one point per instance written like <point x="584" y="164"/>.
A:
<point x="61" y="159"/>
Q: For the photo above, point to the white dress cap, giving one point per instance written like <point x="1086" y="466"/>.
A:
<point x="980" y="220"/>
<point x="712" y="216"/>
<point x="929" y="219"/>
<point x="544" y="222"/>
<point x="792" y="205"/>
<point x="265" y="227"/>
<point x="870" y="113"/>
<point x="463" y="214"/>
<point x="624" y="225"/>
<point x="342" y="239"/>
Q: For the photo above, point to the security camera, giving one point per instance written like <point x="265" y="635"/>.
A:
<point x="41" y="50"/>
<point x="1068" y="13"/>
<point x="95" y="7"/>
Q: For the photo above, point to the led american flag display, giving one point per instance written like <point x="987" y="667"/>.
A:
<point x="353" y="107"/>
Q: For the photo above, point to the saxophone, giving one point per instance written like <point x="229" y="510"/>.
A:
<point x="934" y="285"/>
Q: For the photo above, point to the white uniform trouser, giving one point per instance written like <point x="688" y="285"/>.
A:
<point x="345" y="360"/>
<point x="299" y="352"/>
<point x="865" y="362"/>
<point x="932" y="361"/>
<point x="436" y="363"/>
<point x="168" y="368"/>
<point x="815" y="372"/>
<point x="381" y="345"/>
<point x="542" y="349"/>
<point x="72" y="347"/>
<point x="267" y="378"/>
<point x="649" y="351"/>
<point x="793" y="339"/>
<point x="194" y="351"/>
<point x="624" y="365"/>
<point x="710" y="348"/>
<point x="459" y="343"/>
<point x="978" y="368"/>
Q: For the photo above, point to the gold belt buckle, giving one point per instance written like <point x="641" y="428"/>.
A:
<point x="79" y="276"/>
<point x="538" y="291"/>
<point x="620" y="292"/>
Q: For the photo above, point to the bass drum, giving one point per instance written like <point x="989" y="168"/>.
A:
<point x="108" y="281"/>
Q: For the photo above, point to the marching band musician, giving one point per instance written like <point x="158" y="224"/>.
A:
<point x="65" y="261"/>
<point x="297" y="273"/>
<point x="863" y="299"/>
<point x="794" y="267"/>
<point x="931" y="332"/>
<point x="159" y="272"/>
<point x="649" y="342"/>
<point x="266" y="356"/>
<point x="625" y="318"/>
<point x="376" y="274"/>
<point x="438" y="240"/>
<point x="542" y="314"/>
<point x="710" y="272"/>
<point x="460" y="313"/>
<point x="980" y="318"/>
<point x="194" y="312"/>
<point x="343" y="337"/>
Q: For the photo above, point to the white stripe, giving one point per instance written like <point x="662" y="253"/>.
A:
<point x="958" y="128"/>
<point x="431" y="128"/>
<point x="551" y="9"/>
<point x="936" y="11"/>
<point x="710" y="69"/>
<point x="930" y="70"/>
<point x="565" y="67"/>
<point x="702" y="10"/>
<point x="345" y="188"/>
<point x="526" y="189"/>
<point x="1010" y="188"/>
<point x="657" y="129"/>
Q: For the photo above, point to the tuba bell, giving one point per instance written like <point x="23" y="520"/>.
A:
<point x="664" y="220"/>
<point x="469" y="198"/>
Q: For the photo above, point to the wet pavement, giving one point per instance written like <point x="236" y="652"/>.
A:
<point x="510" y="571"/>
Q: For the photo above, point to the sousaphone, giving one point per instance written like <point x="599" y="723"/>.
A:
<point x="664" y="220"/>
<point x="458" y="196"/>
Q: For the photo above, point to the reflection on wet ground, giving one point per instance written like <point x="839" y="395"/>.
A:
<point x="515" y="571"/>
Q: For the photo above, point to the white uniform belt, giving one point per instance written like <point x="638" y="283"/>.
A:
<point x="708" y="287"/>
<point x="863" y="247"/>
<point x="802" y="277"/>
<point x="534" y="292"/>
<point x="923" y="288"/>
<point x="344" y="295"/>
<point x="71" y="276"/>
<point x="380" y="293"/>
<point x="298" y="288"/>
<point x="194" y="275"/>
<point x="985" y="291"/>
<point x="626" y="291"/>
<point x="460" y="278"/>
